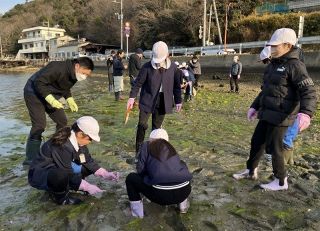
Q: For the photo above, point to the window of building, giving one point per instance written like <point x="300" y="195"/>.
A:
<point x="31" y="45"/>
<point x="68" y="54"/>
<point x="57" y="35"/>
<point x="41" y="44"/>
<point x="36" y="44"/>
<point x="55" y="42"/>
<point x="73" y="54"/>
<point x="25" y="46"/>
<point x="33" y="34"/>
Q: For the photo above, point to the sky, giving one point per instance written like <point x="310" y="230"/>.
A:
<point x="6" y="5"/>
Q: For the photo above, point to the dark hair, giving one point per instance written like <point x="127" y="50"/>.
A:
<point x="120" y="52"/>
<point x="61" y="136"/>
<point x="113" y="52"/>
<point x="156" y="147"/>
<point x="85" y="62"/>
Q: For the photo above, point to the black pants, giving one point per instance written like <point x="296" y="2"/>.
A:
<point x="59" y="180"/>
<point x="157" y="119"/>
<point x="234" y="81"/>
<point x="269" y="135"/>
<point x="37" y="110"/>
<point x="135" y="186"/>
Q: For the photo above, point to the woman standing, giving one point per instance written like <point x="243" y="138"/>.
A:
<point x="64" y="161"/>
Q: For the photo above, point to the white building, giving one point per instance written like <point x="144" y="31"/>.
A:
<point x="35" y="41"/>
<point x="62" y="48"/>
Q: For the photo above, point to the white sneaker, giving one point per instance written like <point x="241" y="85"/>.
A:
<point x="184" y="206"/>
<point x="274" y="185"/>
<point x="245" y="175"/>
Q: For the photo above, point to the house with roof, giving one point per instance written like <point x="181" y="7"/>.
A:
<point x="35" y="41"/>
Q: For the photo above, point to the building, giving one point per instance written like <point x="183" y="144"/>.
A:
<point x="63" y="47"/>
<point x="302" y="5"/>
<point x="35" y="42"/>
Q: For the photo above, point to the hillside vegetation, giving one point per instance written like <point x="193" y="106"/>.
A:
<point x="174" y="21"/>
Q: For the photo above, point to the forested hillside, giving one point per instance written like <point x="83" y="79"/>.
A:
<point x="174" y="21"/>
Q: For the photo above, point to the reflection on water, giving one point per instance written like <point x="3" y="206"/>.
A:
<point x="11" y="104"/>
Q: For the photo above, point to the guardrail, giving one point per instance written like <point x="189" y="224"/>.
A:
<point x="239" y="46"/>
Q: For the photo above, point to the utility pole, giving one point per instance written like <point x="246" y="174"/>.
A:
<point x="121" y="21"/>
<point x="0" y="48"/>
<point x="204" y="22"/>
<point x="217" y="20"/>
<point x="209" y="24"/>
<point x="226" y="26"/>
<point x="300" y="32"/>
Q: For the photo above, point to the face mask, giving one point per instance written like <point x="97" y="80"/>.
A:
<point x="80" y="76"/>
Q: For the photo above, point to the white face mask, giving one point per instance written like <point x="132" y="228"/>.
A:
<point x="80" y="76"/>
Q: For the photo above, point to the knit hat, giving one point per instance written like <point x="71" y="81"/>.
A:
<point x="89" y="126"/>
<point x="159" y="134"/>
<point x="139" y="51"/>
<point x="283" y="35"/>
<point x="159" y="52"/>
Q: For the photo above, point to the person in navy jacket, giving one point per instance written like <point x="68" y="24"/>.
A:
<point x="161" y="175"/>
<point x="159" y="81"/>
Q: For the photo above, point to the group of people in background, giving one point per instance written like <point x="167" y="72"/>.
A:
<point x="287" y="98"/>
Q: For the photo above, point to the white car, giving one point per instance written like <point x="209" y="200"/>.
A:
<point x="226" y="52"/>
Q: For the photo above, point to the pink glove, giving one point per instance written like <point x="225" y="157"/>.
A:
<point x="114" y="176"/>
<point x="304" y="121"/>
<point x="90" y="188"/>
<point x="238" y="76"/>
<point x="178" y="107"/>
<point x="252" y="114"/>
<point x="130" y="103"/>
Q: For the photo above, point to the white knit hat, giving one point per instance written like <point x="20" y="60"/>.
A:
<point x="89" y="126"/>
<point x="159" y="134"/>
<point x="283" y="35"/>
<point x="159" y="52"/>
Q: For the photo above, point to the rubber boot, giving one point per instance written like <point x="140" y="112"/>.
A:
<point x="117" y="95"/>
<point x="110" y="88"/>
<point x="63" y="198"/>
<point x="32" y="150"/>
<point x="136" y="208"/>
<point x="288" y="156"/>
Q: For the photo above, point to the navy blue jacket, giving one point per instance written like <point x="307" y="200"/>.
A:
<point x="52" y="156"/>
<point x="165" y="172"/>
<point x="57" y="78"/>
<point x="150" y="81"/>
<point x="117" y="66"/>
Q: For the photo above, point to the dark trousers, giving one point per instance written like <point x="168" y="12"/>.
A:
<point x="271" y="136"/>
<point x="37" y="110"/>
<point x="157" y="119"/>
<point x="135" y="186"/>
<point x="110" y="81"/>
<point x="197" y="77"/>
<point x="234" y="81"/>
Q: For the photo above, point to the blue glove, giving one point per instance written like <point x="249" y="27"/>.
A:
<point x="76" y="168"/>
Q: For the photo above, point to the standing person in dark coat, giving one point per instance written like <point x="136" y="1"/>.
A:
<point x="42" y="92"/>
<point x="235" y="73"/>
<point x="287" y="93"/>
<point x="195" y="65"/>
<point x="135" y="65"/>
<point x="118" y="68"/>
<point x="64" y="161"/>
<point x="110" y="69"/>
<point x="159" y="80"/>
<point x="161" y="175"/>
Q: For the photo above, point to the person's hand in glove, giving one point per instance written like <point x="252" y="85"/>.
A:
<point x="114" y="176"/>
<point x="76" y="168"/>
<point x="130" y="103"/>
<point x="53" y="102"/>
<point x="90" y="188"/>
<point x="72" y="104"/>
<point x="238" y="77"/>
<point x="252" y="114"/>
<point x="304" y="121"/>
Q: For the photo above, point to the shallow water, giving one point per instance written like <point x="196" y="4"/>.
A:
<point x="11" y="105"/>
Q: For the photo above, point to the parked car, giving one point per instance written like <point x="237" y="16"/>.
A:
<point x="226" y="52"/>
<point x="147" y="54"/>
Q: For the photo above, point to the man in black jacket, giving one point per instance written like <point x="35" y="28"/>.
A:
<point x="287" y="93"/>
<point x="135" y="65"/>
<point x="42" y="93"/>
<point x="159" y="80"/>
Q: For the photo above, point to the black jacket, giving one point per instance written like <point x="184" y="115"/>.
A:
<point x="52" y="156"/>
<point x="287" y="90"/>
<point x="117" y="66"/>
<point x="165" y="172"/>
<point x="150" y="80"/>
<point x="57" y="78"/>
<point x="134" y="65"/>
